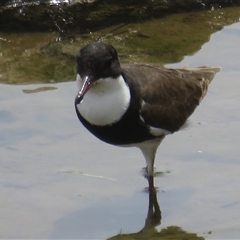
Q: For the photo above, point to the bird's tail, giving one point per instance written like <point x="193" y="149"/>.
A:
<point x="205" y="72"/>
<point x="204" y="75"/>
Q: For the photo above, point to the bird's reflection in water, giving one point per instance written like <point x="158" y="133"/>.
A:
<point x="154" y="214"/>
<point x="149" y="231"/>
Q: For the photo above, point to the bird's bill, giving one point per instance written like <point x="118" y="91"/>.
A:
<point x="87" y="83"/>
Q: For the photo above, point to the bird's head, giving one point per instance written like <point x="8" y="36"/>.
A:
<point x="95" y="61"/>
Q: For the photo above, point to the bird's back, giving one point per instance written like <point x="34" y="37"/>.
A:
<point x="169" y="96"/>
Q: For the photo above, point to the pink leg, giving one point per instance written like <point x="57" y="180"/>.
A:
<point x="151" y="187"/>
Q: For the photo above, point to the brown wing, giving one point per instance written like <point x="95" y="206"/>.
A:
<point x="169" y="96"/>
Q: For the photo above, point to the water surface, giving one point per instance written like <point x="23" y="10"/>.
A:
<point x="41" y="140"/>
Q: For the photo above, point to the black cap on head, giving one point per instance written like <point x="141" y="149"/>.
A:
<point x="98" y="60"/>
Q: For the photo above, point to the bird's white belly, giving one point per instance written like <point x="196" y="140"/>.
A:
<point x="106" y="102"/>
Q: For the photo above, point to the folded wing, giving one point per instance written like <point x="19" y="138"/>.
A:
<point x="169" y="96"/>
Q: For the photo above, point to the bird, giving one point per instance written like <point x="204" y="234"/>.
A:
<point x="135" y="104"/>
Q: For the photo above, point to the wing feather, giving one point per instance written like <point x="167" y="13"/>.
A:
<point x="169" y="96"/>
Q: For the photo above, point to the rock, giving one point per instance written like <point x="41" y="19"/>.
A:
<point x="83" y="16"/>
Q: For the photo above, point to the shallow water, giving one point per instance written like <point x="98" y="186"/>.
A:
<point x="41" y="140"/>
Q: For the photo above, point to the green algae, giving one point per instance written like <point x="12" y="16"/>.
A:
<point x="39" y="89"/>
<point x="169" y="39"/>
<point x="42" y="58"/>
<point x="172" y="232"/>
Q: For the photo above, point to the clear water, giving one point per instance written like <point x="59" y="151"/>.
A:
<point x="41" y="140"/>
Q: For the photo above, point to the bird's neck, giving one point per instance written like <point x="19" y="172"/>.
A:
<point x="106" y="102"/>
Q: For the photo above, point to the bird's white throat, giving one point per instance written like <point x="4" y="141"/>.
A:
<point x="106" y="101"/>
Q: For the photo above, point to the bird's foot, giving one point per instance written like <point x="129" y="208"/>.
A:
<point x="151" y="184"/>
<point x="150" y="178"/>
<point x="151" y="188"/>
